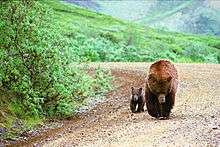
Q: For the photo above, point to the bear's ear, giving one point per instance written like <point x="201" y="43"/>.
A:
<point x="169" y="79"/>
<point x="132" y="90"/>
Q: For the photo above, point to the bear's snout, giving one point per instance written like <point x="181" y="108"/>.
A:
<point x="135" y="98"/>
<point x="161" y="98"/>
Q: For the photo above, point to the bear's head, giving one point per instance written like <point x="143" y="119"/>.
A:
<point x="136" y="93"/>
<point x="160" y="86"/>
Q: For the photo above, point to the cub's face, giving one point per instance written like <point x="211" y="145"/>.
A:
<point x="136" y="93"/>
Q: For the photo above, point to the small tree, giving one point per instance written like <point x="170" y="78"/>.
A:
<point x="34" y="60"/>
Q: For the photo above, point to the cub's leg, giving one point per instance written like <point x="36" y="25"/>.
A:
<point x="133" y="105"/>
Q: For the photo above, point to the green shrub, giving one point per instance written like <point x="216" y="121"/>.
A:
<point x="35" y="61"/>
<point x="200" y="52"/>
<point x="109" y="36"/>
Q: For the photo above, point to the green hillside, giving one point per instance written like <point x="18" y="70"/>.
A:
<point x="191" y="16"/>
<point x="97" y="37"/>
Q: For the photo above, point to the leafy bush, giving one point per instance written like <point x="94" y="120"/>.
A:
<point x="171" y="48"/>
<point x="34" y="61"/>
<point x="200" y="52"/>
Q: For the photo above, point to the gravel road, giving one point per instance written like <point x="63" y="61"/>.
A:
<point x="194" y="121"/>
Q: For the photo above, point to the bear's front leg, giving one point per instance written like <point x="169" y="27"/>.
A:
<point x="133" y="105"/>
<point x="141" y="105"/>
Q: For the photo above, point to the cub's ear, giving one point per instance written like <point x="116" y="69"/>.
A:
<point x="132" y="90"/>
<point x="169" y="79"/>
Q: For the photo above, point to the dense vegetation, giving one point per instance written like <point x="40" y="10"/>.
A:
<point x="40" y="40"/>
<point x="35" y="77"/>
<point x="97" y="37"/>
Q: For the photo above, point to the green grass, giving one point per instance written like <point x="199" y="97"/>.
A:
<point x="191" y="16"/>
<point x="103" y="38"/>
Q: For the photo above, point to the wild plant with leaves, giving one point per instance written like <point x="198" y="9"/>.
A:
<point x="34" y="61"/>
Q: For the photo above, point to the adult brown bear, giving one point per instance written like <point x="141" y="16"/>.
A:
<point x="160" y="89"/>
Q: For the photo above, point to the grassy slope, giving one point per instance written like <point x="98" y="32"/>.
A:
<point x="75" y="20"/>
<point x="193" y="16"/>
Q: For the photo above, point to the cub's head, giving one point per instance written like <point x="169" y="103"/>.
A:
<point x="136" y="93"/>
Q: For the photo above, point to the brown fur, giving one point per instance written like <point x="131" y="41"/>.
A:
<point x="161" y="87"/>
<point x="137" y="105"/>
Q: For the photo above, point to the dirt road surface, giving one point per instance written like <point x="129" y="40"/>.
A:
<point x="194" y="121"/>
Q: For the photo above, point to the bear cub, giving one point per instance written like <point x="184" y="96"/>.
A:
<point x="137" y="100"/>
